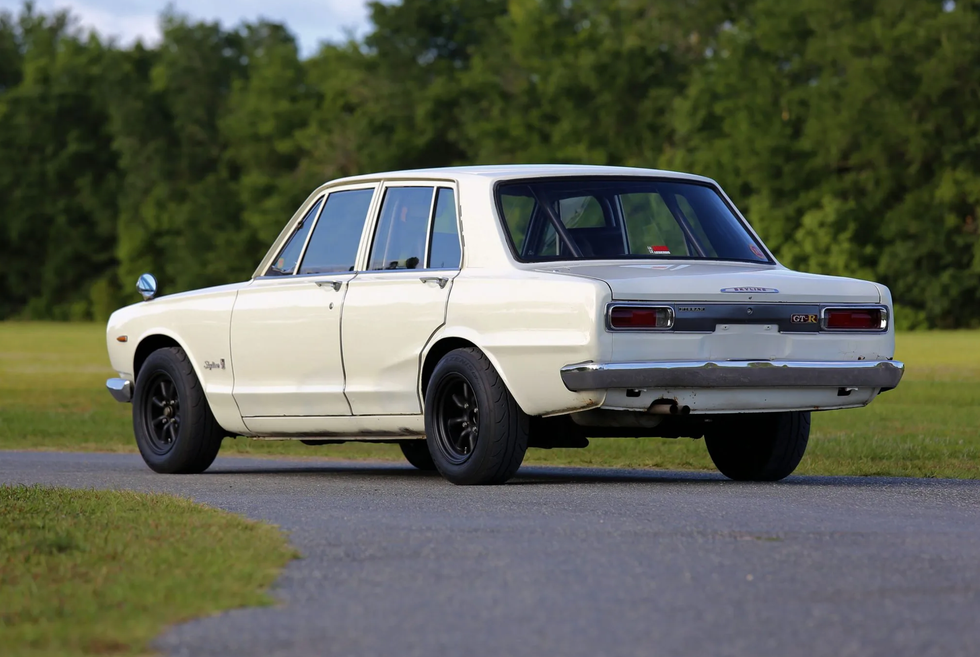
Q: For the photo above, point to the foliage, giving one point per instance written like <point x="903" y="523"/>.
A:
<point x="848" y="131"/>
<point x="104" y="572"/>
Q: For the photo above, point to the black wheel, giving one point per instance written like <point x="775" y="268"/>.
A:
<point x="475" y="430"/>
<point x="175" y="430"/>
<point x="417" y="453"/>
<point x="759" y="447"/>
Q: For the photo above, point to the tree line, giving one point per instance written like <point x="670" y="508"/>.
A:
<point x="848" y="131"/>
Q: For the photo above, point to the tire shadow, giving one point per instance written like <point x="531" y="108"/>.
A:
<point x="557" y="476"/>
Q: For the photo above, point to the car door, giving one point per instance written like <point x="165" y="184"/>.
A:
<point x="285" y="327"/>
<point x="395" y="305"/>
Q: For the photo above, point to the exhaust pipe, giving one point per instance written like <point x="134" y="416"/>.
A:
<point x="668" y="407"/>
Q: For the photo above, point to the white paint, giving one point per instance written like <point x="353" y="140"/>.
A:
<point x="301" y="356"/>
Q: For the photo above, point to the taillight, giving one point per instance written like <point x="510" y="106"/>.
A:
<point x="640" y="317"/>
<point x="855" y="319"/>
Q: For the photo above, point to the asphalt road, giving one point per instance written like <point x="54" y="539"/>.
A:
<point x="580" y="562"/>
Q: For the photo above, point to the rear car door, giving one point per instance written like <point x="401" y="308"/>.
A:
<point x="285" y="328"/>
<point x="395" y="305"/>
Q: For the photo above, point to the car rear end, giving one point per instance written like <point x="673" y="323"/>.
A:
<point x="701" y="317"/>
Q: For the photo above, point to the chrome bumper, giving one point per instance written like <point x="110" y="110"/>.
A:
<point x="120" y="389"/>
<point x="733" y="374"/>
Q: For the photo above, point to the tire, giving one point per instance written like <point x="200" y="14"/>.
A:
<point x="476" y="432"/>
<point x="759" y="447"/>
<point x="175" y="430"/>
<point x="417" y="453"/>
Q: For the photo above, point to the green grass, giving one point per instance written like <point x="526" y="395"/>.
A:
<point x="104" y="572"/>
<point x="52" y="396"/>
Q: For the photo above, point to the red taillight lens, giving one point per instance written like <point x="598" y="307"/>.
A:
<point x="641" y="317"/>
<point x="855" y="319"/>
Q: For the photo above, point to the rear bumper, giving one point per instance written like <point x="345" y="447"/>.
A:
<point x="884" y="374"/>
<point x="120" y="389"/>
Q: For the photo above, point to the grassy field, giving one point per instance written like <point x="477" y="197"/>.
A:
<point x="52" y="396"/>
<point x="104" y="572"/>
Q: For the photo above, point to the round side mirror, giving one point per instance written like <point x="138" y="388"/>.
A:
<point x="147" y="286"/>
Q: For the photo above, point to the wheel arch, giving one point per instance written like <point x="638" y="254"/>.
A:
<point x="150" y="343"/>
<point x="546" y="396"/>
<point x="436" y="352"/>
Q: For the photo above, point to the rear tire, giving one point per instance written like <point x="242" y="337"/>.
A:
<point x="759" y="447"/>
<point x="417" y="453"/>
<point x="175" y="430"/>
<point x="476" y="432"/>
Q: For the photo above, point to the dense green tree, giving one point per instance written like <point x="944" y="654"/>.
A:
<point x="58" y="177"/>
<point x="847" y="130"/>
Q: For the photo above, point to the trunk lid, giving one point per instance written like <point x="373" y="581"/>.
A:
<point x="720" y="281"/>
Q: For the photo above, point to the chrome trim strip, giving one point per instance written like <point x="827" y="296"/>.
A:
<point x="733" y="374"/>
<point x="638" y="304"/>
<point x="120" y="389"/>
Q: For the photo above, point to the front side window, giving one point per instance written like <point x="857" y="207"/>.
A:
<point x="599" y="218"/>
<point x="285" y="263"/>
<point x="399" y="239"/>
<point x="333" y="246"/>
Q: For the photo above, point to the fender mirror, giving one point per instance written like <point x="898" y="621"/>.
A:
<point x="147" y="286"/>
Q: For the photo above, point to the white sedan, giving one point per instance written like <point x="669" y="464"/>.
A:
<point x="470" y="313"/>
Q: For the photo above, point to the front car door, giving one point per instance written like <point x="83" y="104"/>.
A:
<point x="285" y="327"/>
<point x="395" y="305"/>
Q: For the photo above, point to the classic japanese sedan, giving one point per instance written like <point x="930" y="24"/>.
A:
<point x="470" y="313"/>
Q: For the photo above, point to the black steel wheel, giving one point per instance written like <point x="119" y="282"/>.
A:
<point x="175" y="429"/>
<point x="161" y="413"/>
<point x="457" y="418"/>
<point x="758" y="446"/>
<point x="476" y="432"/>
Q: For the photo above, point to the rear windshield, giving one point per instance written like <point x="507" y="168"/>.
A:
<point x="600" y="219"/>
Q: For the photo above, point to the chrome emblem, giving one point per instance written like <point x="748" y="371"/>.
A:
<point x="750" y="290"/>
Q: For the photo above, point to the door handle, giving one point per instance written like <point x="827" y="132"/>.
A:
<point x="435" y="279"/>
<point x="334" y="284"/>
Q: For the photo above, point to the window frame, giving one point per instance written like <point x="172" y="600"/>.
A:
<point x="435" y="185"/>
<point x="519" y="256"/>
<point x="316" y="196"/>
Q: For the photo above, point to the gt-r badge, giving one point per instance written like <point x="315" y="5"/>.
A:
<point x="803" y="319"/>
<point x="750" y="290"/>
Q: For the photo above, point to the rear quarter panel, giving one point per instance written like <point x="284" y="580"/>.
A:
<point x="531" y="324"/>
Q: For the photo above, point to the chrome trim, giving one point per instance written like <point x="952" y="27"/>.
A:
<point x="440" y="280"/>
<point x="638" y="304"/>
<point x="733" y="374"/>
<point x="880" y="329"/>
<point x="147" y="286"/>
<point x="120" y="389"/>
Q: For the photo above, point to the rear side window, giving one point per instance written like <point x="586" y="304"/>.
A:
<point x="285" y="263"/>
<point x="444" y="252"/>
<point x="333" y="246"/>
<point x="399" y="239"/>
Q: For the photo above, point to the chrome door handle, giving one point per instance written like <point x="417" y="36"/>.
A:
<point x="435" y="279"/>
<point x="334" y="284"/>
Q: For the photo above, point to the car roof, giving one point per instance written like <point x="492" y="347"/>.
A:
<point x="512" y="171"/>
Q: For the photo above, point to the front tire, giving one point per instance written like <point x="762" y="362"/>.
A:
<point x="476" y="432"/>
<point x="175" y="430"/>
<point x="759" y="447"/>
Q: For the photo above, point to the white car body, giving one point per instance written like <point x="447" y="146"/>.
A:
<point x="345" y="356"/>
